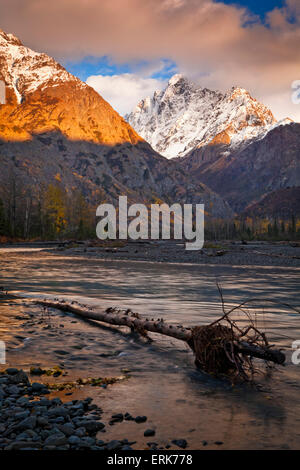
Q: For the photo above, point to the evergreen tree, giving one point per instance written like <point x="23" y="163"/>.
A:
<point x="270" y="230"/>
<point x="275" y="228"/>
<point x="3" y="228"/>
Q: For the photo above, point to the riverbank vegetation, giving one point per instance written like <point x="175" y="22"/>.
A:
<point x="53" y="213"/>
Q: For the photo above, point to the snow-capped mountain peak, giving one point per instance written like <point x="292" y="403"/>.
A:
<point x="176" y="78"/>
<point x="185" y="116"/>
<point x="25" y="70"/>
<point x="41" y="96"/>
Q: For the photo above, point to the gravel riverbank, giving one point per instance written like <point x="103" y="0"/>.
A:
<point x="218" y="253"/>
<point x="29" y="420"/>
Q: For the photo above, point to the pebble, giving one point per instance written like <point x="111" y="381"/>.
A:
<point x="58" y="439"/>
<point x="61" y="352"/>
<point x="113" y="445"/>
<point x="37" y="371"/>
<point x="140" y="419"/>
<point x="180" y="443"/>
<point x="67" y="428"/>
<point x="42" y="421"/>
<point x="27" y="423"/>
<point x="58" y="411"/>
<point x="149" y="432"/>
<point x="74" y="440"/>
<point x="11" y="371"/>
<point x="37" y="387"/>
<point x="22" y="415"/>
<point x="92" y="427"/>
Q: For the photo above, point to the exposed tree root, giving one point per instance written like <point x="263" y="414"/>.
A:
<point x="218" y="348"/>
<point x="222" y="347"/>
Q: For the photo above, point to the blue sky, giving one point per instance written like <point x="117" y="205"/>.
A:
<point x="258" y="7"/>
<point x="95" y="66"/>
<point x="161" y="70"/>
<point x="123" y="85"/>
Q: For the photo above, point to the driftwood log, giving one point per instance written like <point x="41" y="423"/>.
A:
<point x="217" y="348"/>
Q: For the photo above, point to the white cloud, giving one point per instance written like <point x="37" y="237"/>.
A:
<point x="282" y="106"/>
<point x="124" y="91"/>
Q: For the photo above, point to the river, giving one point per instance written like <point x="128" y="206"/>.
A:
<point x="179" y="401"/>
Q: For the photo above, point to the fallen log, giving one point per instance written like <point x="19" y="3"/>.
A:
<point x="216" y="347"/>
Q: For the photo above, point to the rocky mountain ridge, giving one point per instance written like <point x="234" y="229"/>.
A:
<point x="230" y="141"/>
<point x="185" y="116"/>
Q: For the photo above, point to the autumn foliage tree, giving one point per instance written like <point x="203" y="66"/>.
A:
<point x="54" y="208"/>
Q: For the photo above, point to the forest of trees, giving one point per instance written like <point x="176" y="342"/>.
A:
<point x="47" y="214"/>
<point x="253" y="229"/>
<point x="52" y="213"/>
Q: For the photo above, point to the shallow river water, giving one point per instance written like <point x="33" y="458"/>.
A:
<point x="179" y="401"/>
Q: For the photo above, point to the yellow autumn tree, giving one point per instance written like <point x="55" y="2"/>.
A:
<point x="55" y="210"/>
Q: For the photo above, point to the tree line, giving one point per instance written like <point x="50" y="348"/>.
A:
<point x="254" y="228"/>
<point x="53" y="213"/>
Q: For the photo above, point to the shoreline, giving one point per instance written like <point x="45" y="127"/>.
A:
<point x="219" y="253"/>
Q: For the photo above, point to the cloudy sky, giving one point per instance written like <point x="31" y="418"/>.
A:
<point x="126" y="49"/>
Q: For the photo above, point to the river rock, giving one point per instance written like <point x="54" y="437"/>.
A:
<point x="74" y="440"/>
<point x="149" y="432"/>
<point x="12" y="371"/>
<point x="59" y="411"/>
<point x="141" y="419"/>
<point x="180" y="443"/>
<point x="27" y="423"/>
<point x="67" y="428"/>
<point x="92" y="426"/>
<point x="113" y="445"/>
<point x="58" y="439"/>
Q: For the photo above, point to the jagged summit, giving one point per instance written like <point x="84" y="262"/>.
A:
<point x="9" y="37"/>
<point x="185" y="116"/>
<point x="175" y="79"/>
